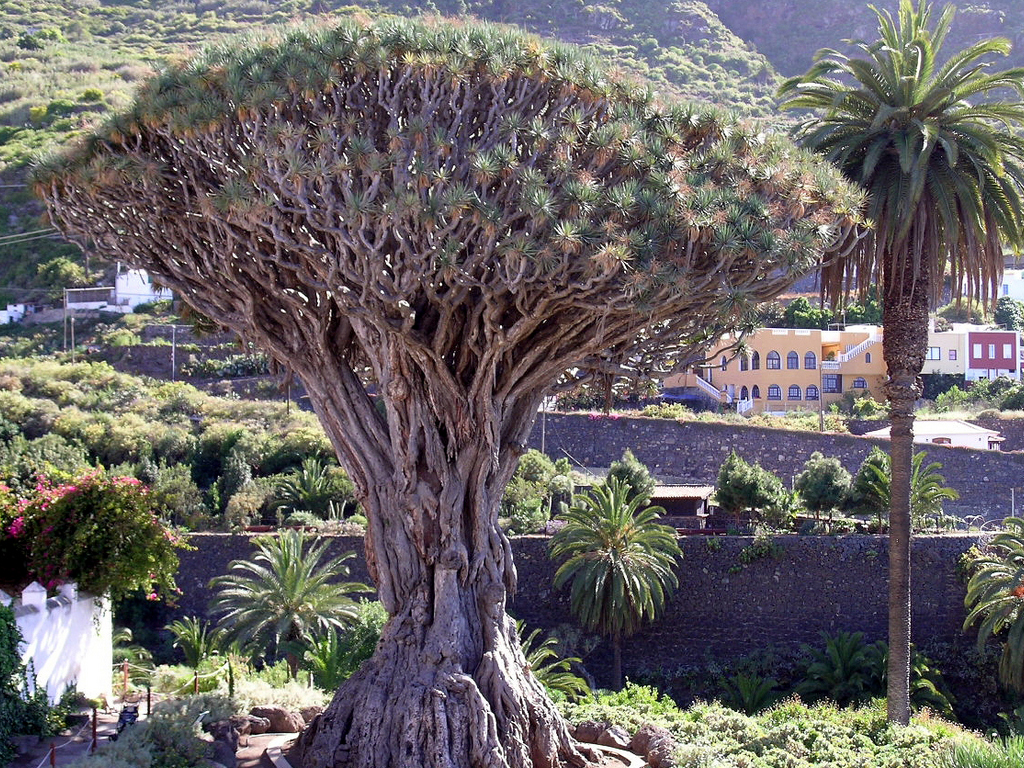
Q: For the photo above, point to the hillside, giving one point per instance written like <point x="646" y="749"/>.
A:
<point x="788" y="32"/>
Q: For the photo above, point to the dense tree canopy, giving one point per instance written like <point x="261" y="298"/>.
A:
<point x="460" y="216"/>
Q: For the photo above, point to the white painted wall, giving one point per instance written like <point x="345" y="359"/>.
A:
<point x="67" y="638"/>
<point x="134" y="286"/>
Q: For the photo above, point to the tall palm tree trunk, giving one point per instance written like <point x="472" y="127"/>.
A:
<point x="905" y="316"/>
<point x="617" y="679"/>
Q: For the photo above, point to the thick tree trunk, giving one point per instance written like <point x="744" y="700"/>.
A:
<point x="905" y="346"/>
<point x="448" y="685"/>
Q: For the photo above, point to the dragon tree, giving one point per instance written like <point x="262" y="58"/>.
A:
<point x="456" y="219"/>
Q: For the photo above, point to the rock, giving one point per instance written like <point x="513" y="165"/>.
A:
<point x="655" y="744"/>
<point x="308" y="713"/>
<point x="281" y="719"/>
<point x="615" y="736"/>
<point x="224" y="754"/>
<point x="225" y="731"/>
<point x="257" y="725"/>
<point x="589" y="730"/>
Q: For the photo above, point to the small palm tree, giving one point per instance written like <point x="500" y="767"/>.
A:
<point x="196" y="640"/>
<point x="995" y="597"/>
<point x="553" y="670"/>
<point x="928" y="491"/>
<point x="285" y="595"/>
<point x="619" y="561"/>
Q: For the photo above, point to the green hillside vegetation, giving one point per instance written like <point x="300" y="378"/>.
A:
<point x="213" y="462"/>
<point x="66" y="66"/>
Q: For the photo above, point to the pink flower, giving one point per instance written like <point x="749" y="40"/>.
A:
<point x="152" y="596"/>
<point x="16" y="526"/>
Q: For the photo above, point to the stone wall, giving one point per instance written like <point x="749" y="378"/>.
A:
<point x="694" y="451"/>
<point x="723" y="608"/>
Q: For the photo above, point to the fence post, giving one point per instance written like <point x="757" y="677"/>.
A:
<point x="195" y="683"/>
<point x="124" y="674"/>
<point x="149" y="699"/>
<point x="92" y="747"/>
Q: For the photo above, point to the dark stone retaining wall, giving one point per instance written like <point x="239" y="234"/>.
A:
<point x="722" y="607"/>
<point x="694" y="451"/>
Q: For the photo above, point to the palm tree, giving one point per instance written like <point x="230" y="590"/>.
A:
<point x="285" y="595"/>
<point x="928" y="491"/>
<point x="995" y="595"/>
<point x="936" y="151"/>
<point x="196" y="640"/>
<point x="547" y="664"/>
<point x="619" y="561"/>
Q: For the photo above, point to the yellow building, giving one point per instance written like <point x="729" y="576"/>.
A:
<point x="786" y="369"/>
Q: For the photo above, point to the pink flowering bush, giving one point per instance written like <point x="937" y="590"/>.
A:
<point x="97" y="531"/>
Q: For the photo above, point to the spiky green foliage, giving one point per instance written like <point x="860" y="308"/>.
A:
<point x="285" y="594"/>
<point x="553" y="670"/>
<point x="934" y="143"/>
<point x="618" y="560"/>
<point x="195" y="639"/>
<point x="596" y="186"/>
<point x="995" y="599"/>
<point x="928" y="491"/>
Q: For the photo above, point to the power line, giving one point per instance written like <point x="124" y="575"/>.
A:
<point x="47" y="230"/>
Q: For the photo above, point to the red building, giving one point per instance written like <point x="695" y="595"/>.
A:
<point x="991" y="354"/>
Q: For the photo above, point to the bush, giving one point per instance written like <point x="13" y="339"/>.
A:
<point x="100" y="533"/>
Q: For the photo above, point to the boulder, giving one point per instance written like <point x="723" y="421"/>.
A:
<point x="655" y="744"/>
<point x="589" y="730"/>
<point x="281" y="719"/>
<point x="257" y="725"/>
<point x="614" y="736"/>
<point x="308" y="713"/>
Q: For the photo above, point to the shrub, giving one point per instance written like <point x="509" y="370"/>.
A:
<point x="101" y="533"/>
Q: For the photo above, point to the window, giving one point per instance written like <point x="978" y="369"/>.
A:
<point x="951" y="355"/>
<point x="774" y="392"/>
<point x="793" y="361"/>
<point x="794" y="392"/>
<point x="755" y="393"/>
<point x="831" y="382"/>
<point x="934" y="353"/>
<point x="744" y="393"/>
<point x="755" y="361"/>
<point x="744" y="362"/>
<point x="810" y="361"/>
<point x="774" y="362"/>
<point x="991" y="351"/>
<point x="1007" y="352"/>
<point x="725" y="363"/>
<point x="859" y="383"/>
<point x="977" y="350"/>
<point x="942" y="441"/>
<point x="812" y="393"/>
<point x="867" y="357"/>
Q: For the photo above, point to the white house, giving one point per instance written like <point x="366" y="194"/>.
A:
<point x="134" y="286"/>
<point x="956" y="433"/>
<point x="131" y="288"/>
<point x="13" y="313"/>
